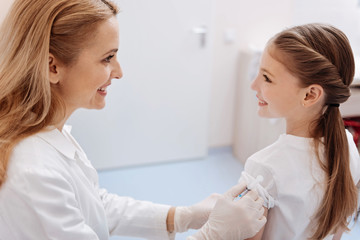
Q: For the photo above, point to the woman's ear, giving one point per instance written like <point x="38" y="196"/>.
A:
<point x="314" y="94"/>
<point x="54" y="69"/>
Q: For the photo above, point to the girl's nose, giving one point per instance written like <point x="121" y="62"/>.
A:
<point x="254" y="85"/>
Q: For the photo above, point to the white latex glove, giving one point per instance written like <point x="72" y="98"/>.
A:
<point x="195" y="216"/>
<point x="234" y="220"/>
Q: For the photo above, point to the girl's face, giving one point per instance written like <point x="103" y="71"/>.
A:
<point x="278" y="91"/>
<point x="84" y="84"/>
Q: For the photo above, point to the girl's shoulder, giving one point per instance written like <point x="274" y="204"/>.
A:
<point x="285" y="147"/>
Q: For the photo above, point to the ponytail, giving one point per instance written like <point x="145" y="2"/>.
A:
<point x="340" y="199"/>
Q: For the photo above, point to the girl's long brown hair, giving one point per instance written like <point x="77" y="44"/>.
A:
<point x="31" y="30"/>
<point x="321" y="54"/>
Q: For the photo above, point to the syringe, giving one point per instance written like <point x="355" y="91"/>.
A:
<point x="250" y="186"/>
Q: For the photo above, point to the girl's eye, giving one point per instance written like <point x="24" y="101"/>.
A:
<point x="109" y="58"/>
<point x="267" y="79"/>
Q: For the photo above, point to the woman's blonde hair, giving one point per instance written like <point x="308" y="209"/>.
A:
<point x="31" y="30"/>
<point x="321" y="54"/>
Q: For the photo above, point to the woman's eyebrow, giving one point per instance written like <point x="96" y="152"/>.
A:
<point x="115" y="50"/>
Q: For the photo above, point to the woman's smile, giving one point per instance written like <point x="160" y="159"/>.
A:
<point x="103" y="90"/>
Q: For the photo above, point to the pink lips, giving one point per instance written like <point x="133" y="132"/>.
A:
<point x="102" y="90"/>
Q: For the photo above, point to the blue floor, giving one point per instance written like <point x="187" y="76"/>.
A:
<point x="181" y="183"/>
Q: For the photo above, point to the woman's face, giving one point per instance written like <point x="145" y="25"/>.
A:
<point x="84" y="84"/>
<point x="278" y="91"/>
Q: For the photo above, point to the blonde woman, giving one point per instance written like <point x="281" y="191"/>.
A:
<point x="58" y="56"/>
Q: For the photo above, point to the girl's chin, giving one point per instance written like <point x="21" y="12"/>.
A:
<point x="265" y="114"/>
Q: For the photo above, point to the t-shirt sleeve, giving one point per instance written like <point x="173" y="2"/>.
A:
<point x="354" y="162"/>
<point x="354" y="158"/>
<point x="266" y="188"/>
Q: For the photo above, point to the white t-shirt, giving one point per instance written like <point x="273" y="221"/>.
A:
<point x="293" y="184"/>
<point x="52" y="192"/>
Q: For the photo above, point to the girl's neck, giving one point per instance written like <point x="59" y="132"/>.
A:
<point x="300" y="128"/>
<point x="302" y="124"/>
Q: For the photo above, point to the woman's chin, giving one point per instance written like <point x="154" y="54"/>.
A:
<point x="97" y="106"/>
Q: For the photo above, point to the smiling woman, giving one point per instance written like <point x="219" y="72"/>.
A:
<point x="38" y="40"/>
<point x="83" y="84"/>
<point x="58" y="56"/>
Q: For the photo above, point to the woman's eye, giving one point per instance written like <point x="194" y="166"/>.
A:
<point x="109" y="58"/>
<point x="267" y="79"/>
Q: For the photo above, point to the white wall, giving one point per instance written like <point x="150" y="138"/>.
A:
<point x="342" y="14"/>
<point x="4" y="6"/>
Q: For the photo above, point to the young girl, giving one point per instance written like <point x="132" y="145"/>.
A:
<point x="311" y="171"/>
<point x="57" y="56"/>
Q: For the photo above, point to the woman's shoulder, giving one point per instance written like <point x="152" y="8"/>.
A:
<point x="32" y="148"/>
<point x="36" y="154"/>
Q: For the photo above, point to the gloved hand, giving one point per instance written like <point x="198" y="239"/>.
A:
<point x="196" y="215"/>
<point x="233" y="220"/>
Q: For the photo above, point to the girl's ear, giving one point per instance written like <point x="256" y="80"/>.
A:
<point x="54" y="69"/>
<point x="314" y="94"/>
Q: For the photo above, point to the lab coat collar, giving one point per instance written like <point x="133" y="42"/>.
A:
<point x="55" y="138"/>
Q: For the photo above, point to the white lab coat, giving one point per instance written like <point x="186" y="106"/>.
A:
<point x="52" y="192"/>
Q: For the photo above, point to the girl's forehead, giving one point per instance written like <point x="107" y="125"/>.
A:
<point x="273" y="65"/>
<point x="273" y="56"/>
<point x="275" y="53"/>
<point x="268" y="60"/>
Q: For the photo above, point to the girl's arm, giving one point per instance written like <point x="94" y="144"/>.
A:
<point x="258" y="236"/>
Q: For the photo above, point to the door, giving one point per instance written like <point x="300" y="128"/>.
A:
<point x="159" y="110"/>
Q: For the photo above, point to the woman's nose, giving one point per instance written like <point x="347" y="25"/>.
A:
<point x="117" y="72"/>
